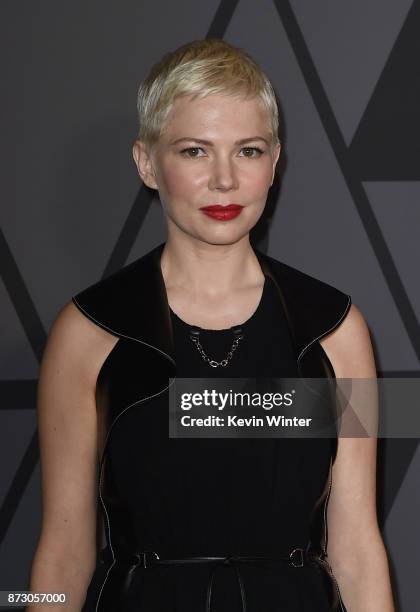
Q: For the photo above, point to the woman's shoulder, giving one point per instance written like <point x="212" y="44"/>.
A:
<point x="313" y="306"/>
<point x="298" y="282"/>
<point x="305" y="291"/>
<point x="131" y="303"/>
<point x="74" y="350"/>
<point x="112" y="302"/>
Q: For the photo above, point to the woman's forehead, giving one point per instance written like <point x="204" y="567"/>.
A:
<point x="216" y="110"/>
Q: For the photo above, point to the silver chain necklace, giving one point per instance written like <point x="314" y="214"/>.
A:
<point x="195" y="337"/>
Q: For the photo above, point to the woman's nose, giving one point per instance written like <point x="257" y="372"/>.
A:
<point x="223" y="175"/>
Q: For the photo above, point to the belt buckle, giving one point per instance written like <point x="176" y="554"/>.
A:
<point x="301" y="557"/>
<point x="145" y="559"/>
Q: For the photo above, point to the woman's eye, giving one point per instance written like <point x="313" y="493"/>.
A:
<point x="251" y="150"/>
<point x="192" y="150"/>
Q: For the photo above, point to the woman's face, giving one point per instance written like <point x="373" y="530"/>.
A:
<point x="214" y="150"/>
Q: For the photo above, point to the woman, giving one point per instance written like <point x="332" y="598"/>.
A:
<point x="178" y="513"/>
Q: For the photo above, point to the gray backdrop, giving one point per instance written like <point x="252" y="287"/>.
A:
<point x="346" y="209"/>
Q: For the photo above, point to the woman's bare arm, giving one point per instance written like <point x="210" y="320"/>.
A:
<point x="356" y="550"/>
<point x="67" y="428"/>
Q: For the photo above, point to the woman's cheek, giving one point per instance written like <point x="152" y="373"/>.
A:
<point x="179" y="182"/>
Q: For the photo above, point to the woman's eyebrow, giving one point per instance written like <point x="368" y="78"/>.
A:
<point x="208" y="142"/>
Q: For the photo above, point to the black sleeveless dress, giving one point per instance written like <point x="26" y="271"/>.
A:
<point x="208" y="496"/>
<point x="250" y="496"/>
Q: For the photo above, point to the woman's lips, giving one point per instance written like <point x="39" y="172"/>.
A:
<point x="222" y="213"/>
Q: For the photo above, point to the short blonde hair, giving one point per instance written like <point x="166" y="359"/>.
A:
<point x="201" y="68"/>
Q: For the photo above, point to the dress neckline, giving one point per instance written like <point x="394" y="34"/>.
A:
<point x="227" y="329"/>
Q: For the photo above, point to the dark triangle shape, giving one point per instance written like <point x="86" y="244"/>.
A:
<point x="386" y="145"/>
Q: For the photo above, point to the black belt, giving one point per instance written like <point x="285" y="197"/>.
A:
<point x="298" y="557"/>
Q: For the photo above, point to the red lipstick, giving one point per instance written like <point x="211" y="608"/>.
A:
<point x="222" y="213"/>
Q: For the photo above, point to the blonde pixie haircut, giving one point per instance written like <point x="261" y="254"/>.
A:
<point x="201" y="68"/>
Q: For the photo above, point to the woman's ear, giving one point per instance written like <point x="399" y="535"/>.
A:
<point x="144" y="164"/>
<point x="276" y="155"/>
